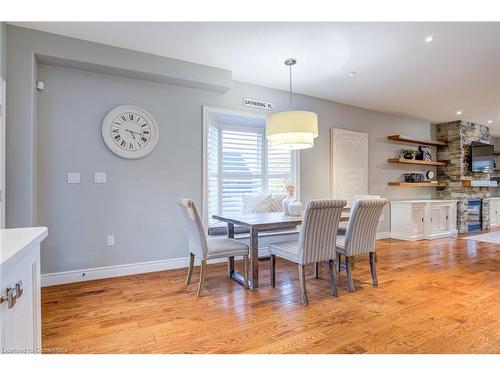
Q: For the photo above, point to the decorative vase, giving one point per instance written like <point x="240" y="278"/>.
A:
<point x="295" y="208"/>
<point x="285" y="203"/>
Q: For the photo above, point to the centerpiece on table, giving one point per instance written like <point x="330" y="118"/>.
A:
<point x="291" y="206"/>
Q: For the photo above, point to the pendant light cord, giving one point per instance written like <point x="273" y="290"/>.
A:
<point x="290" y="86"/>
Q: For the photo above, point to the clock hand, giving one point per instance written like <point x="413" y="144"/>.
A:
<point x="131" y="131"/>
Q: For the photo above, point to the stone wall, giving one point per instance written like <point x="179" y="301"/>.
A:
<point x="460" y="135"/>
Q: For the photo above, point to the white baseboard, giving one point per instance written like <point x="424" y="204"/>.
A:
<point x="383" y="235"/>
<point x="88" y="274"/>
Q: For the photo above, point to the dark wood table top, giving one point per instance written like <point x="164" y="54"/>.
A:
<point x="265" y="220"/>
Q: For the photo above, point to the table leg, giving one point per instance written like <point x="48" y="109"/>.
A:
<point x="254" y="258"/>
<point x="230" y="260"/>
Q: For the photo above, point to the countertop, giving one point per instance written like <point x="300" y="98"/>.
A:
<point x="14" y="241"/>
<point x="423" y="200"/>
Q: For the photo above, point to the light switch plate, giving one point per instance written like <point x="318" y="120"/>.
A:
<point x="110" y="240"/>
<point x="100" y="177"/>
<point x="73" y="178"/>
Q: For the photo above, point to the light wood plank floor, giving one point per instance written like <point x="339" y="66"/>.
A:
<point x="440" y="296"/>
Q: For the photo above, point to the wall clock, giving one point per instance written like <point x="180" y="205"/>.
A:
<point x="130" y="131"/>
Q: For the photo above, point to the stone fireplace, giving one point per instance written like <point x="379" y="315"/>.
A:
<point x="460" y="135"/>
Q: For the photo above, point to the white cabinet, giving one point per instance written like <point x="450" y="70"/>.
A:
<point x="413" y="220"/>
<point x="20" y="309"/>
<point x="495" y="212"/>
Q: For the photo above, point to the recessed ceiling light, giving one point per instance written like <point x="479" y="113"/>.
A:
<point x="429" y="39"/>
<point x="352" y="74"/>
<point x="459" y="113"/>
<point x="490" y="121"/>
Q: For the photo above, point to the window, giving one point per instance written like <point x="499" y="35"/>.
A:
<point x="239" y="160"/>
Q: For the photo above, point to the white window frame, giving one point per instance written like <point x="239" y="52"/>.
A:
<point x="207" y="111"/>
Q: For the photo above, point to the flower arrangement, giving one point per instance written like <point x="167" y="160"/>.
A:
<point x="289" y="187"/>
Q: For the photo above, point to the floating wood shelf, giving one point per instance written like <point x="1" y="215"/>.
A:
<point x="417" y="184"/>
<point x="415" y="141"/>
<point x="418" y="162"/>
<point x="479" y="183"/>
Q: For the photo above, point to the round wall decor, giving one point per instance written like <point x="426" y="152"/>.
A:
<point x="130" y="131"/>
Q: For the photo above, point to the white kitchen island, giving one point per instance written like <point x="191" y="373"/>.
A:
<point x="20" y="308"/>
<point x="413" y="220"/>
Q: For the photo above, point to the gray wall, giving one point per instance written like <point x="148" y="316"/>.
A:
<point x="137" y="204"/>
<point x="3" y="49"/>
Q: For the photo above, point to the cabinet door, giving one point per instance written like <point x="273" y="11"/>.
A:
<point x="494" y="213"/>
<point x="435" y="213"/>
<point x="444" y="219"/>
<point x="418" y="220"/>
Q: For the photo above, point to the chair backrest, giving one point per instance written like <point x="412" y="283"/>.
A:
<point x="356" y="198"/>
<point x="194" y="225"/>
<point x="362" y="227"/>
<point x="318" y="232"/>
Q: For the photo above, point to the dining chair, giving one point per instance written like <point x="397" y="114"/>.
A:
<point x="355" y="198"/>
<point x="360" y="235"/>
<point x="208" y="248"/>
<point x="316" y="242"/>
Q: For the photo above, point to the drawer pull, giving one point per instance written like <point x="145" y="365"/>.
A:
<point x="12" y="294"/>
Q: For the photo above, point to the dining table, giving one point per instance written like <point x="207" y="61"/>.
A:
<point x="256" y="223"/>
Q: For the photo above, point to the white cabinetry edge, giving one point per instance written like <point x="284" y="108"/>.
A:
<point x="13" y="243"/>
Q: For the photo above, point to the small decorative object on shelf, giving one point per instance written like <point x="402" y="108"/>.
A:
<point x="426" y="152"/>
<point x="295" y="208"/>
<point x="289" y="187"/>
<point x="407" y="154"/>
<point x="430" y="175"/>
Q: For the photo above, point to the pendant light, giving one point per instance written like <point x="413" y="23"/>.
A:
<point x="292" y="130"/>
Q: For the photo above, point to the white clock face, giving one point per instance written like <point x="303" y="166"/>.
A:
<point x="130" y="131"/>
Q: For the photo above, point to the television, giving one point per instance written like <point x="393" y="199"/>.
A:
<point x="482" y="157"/>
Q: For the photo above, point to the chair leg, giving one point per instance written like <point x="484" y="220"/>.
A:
<point x="230" y="266"/>
<point x="373" y="259"/>
<point x="302" y="282"/>
<point x="348" y="267"/>
<point x="245" y="271"/>
<point x="190" y="270"/>
<point x="339" y="261"/>
<point x="202" y="277"/>
<point x="272" y="270"/>
<point x="316" y="270"/>
<point x="333" y="270"/>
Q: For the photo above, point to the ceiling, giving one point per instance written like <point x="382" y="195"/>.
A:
<point x="397" y="71"/>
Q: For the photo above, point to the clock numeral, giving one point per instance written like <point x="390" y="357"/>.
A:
<point x="144" y="139"/>
<point x="131" y="146"/>
<point x="123" y="143"/>
<point x="143" y="125"/>
<point x="123" y="117"/>
<point x="130" y="116"/>
<point x="145" y="132"/>
<point x="115" y="131"/>
<point x="117" y="123"/>
<point x="117" y="137"/>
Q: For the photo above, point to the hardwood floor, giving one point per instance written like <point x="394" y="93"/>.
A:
<point x="440" y="296"/>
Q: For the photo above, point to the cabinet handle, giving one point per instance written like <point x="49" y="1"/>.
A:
<point x="422" y="220"/>
<point x="12" y="294"/>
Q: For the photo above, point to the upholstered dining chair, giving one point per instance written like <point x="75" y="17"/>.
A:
<point x="360" y="235"/>
<point x="355" y="198"/>
<point x="208" y="248"/>
<point x="316" y="242"/>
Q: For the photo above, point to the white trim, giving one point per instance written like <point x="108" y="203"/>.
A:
<point x="87" y="274"/>
<point x="383" y="235"/>
<point x="97" y="273"/>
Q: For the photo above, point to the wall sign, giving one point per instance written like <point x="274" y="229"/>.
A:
<point x="258" y="104"/>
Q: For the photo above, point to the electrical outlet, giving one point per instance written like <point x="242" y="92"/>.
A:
<point x="110" y="240"/>
<point x="100" y="177"/>
<point x="73" y="178"/>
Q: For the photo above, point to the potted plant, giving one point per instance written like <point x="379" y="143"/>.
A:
<point x="407" y="154"/>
